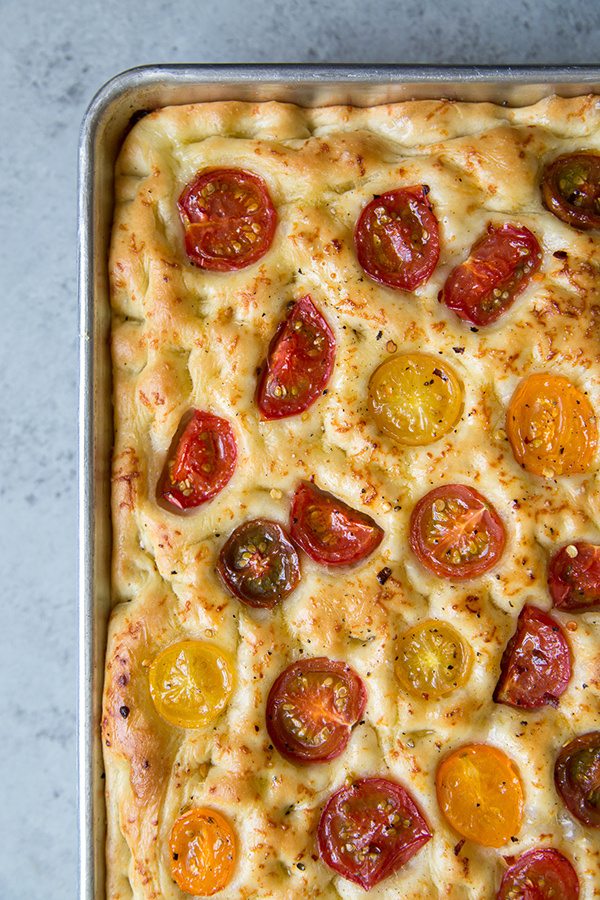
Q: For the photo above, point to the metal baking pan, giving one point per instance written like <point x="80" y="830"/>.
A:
<point x="105" y="125"/>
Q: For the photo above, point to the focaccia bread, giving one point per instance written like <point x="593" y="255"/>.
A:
<point x="189" y="337"/>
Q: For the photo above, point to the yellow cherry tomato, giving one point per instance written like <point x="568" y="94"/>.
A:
<point x="203" y="852"/>
<point x="433" y="659"/>
<point x="480" y="793"/>
<point x="415" y="398"/>
<point x="190" y="683"/>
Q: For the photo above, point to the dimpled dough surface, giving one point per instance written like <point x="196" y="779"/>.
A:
<point x="183" y="337"/>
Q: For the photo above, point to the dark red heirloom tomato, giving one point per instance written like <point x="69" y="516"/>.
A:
<point x="369" y="829"/>
<point x="574" y="577"/>
<point x="571" y="189"/>
<point x="543" y="874"/>
<point x="228" y="217"/>
<point x="299" y="363"/>
<point x="200" y="462"/>
<point x="259" y="564"/>
<point x="456" y="533"/>
<point x="312" y="708"/>
<point x="577" y="777"/>
<point x="330" y="531"/>
<point x="536" y="664"/>
<point x="397" y="238"/>
<point x="498" y="269"/>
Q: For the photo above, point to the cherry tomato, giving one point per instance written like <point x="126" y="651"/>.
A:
<point x="330" y="531"/>
<point x="433" y="659"/>
<point x="191" y="682"/>
<point x="203" y="852"/>
<point x="551" y="426"/>
<point x="228" y="217"/>
<point x="536" y="664"/>
<point x="415" y="398"/>
<point x="370" y="829"/>
<point x="480" y="794"/>
<point x="200" y="462"/>
<point x="397" y="238"/>
<point x="574" y="577"/>
<point x="498" y="269"/>
<point x="577" y="777"/>
<point x="543" y="874"/>
<point x="299" y="363"/>
<point x="312" y="708"/>
<point x="571" y="189"/>
<point x="456" y="533"/>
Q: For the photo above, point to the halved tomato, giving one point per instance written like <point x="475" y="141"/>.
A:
<point x="228" y="217"/>
<point x="577" y="777"/>
<point x="574" y="577"/>
<point x="299" y="363"/>
<point x="543" y="874"/>
<point x="397" y="238"/>
<point x="312" y="708"/>
<point x="433" y="659"/>
<point x="536" y="665"/>
<point x="571" y="189"/>
<point x="456" y="533"/>
<point x="369" y="829"/>
<point x="330" y="531"/>
<point x="498" y="269"/>
<point x="203" y="852"/>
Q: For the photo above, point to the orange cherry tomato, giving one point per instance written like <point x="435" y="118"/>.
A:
<point x="203" y="852"/>
<point x="480" y="793"/>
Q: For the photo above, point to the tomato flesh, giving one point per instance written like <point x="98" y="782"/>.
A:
<point x="299" y="363"/>
<point x="328" y="530"/>
<point x="312" y="708"/>
<point x="543" y="874"/>
<point x="203" y="852"/>
<point x="577" y="777"/>
<point x="574" y="577"/>
<point x="370" y="829"/>
<point x="433" y="659"/>
<point x="397" y="238"/>
<point x="571" y="189"/>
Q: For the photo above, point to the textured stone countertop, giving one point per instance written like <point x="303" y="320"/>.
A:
<point x="53" y="57"/>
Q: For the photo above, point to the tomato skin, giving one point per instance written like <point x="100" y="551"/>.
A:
<point x="577" y="777"/>
<point x="397" y="238"/>
<point x="328" y="530"/>
<point x="574" y="581"/>
<point x="299" y="363"/>
<point x="536" y="663"/>
<point x="203" y="852"/>
<point x="571" y="189"/>
<point x="315" y="705"/>
<point x="542" y="874"/>
<point x="470" y="518"/>
<point x="501" y="262"/>
<point x="228" y="217"/>
<point x="382" y="839"/>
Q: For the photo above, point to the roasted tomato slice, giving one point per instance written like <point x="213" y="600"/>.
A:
<point x="259" y="564"/>
<point x="370" y="829"/>
<point x="574" y="577"/>
<point x="536" y="664"/>
<point x="543" y="874"/>
<point x="228" y="217"/>
<point x="330" y="531"/>
<point x="498" y="269"/>
<point x="203" y="852"/>
<point x="433" y="659"/>
<point x="299" y="363"/>
<point x="456" y="533"/>
<point x="551" y="426"/>
<point x="312" y="708"/>
<point x="571" y="189"/>
<point x="200" y="462"/>
<point x="577" y="777"/>
<point x="397" y="238"/>
<point x="480" y="793"/>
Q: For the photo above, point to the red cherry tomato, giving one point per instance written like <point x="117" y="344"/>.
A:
<point x="571" y="189"/>
<point x="200" y="462"/>
<point x="543" y="874"/>
<point x="299" y="363"/>
<point x="456" y="533"/>
<point x="574" y="577"/>
<point x="312" y="708"/>
<point x="536" y="664"/>
<point x="330" y="531"/>
<point x="498" y="269"/>
<point x="577" y="777"/>
<point x="397" y="238"/>
<point x="228" y="217"/>
<point x="370" y="829"/>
